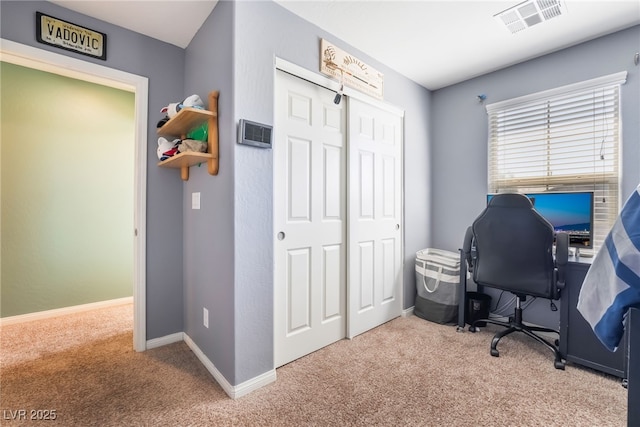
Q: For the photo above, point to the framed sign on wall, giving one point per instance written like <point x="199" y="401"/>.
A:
<point x="72" y="37"/>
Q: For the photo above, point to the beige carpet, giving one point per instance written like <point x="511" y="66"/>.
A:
<point x="408" y="372"/>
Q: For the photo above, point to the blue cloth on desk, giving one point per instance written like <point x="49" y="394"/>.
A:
<point x="612" y="284"/>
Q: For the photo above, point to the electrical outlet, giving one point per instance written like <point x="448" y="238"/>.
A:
<point x="195" y="200"/>
<point x="205" y="317"/>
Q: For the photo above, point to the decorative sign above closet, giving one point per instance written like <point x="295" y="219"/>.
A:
<point x="350" y="71"/>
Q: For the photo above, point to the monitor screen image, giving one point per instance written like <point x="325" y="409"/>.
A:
<point x="568" y="212"/>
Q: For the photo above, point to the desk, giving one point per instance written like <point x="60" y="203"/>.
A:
<point x="578" y="343"/>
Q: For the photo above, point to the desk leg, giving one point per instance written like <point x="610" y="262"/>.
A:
<point x="633" y="363"/>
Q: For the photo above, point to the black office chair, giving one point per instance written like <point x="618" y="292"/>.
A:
<point x="510" y="247"/>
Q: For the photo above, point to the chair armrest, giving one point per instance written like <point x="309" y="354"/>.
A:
<point x="562" y="258"/>
<point x="562" y="249"/>
<point x="466" y="248"/>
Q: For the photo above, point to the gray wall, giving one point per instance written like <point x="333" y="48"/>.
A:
<point x="209" y="232"/>
<point x="263" y="31"/>
<point x="163" y="64"/>
<point x="459" y="126"/>
<point x="225" y="260"/>
<point x="228" y="244"/>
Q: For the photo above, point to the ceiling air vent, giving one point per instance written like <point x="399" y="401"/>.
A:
<point x="529" y="13"/>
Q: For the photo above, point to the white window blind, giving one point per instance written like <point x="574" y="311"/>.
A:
<point x="566" y="139"/>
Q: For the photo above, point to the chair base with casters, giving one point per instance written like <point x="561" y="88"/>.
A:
<point x="516" y="325"/>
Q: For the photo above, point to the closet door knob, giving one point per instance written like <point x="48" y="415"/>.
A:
<point x="281" y="235"/>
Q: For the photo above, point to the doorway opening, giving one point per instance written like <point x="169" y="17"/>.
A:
<point x="51" y="62"/>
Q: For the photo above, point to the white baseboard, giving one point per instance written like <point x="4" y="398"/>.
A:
<point x="233" y="392"/>
<point x="40" y="315"/>
<point x="408" y="312"/>
<point x="254" y="384"/>
<point x="166" y="340"/>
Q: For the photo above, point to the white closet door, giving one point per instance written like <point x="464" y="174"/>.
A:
<point x="309" y="219"/>
<point x="375" y="217"/>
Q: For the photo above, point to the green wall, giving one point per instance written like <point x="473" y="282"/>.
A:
<point x="67" y="174"/>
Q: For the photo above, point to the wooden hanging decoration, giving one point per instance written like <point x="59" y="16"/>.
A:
<point x="337" y="63"/>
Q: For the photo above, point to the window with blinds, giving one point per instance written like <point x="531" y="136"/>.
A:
<point x="565" y="139"/>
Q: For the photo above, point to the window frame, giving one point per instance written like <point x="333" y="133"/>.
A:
<point x="605" y="183"/>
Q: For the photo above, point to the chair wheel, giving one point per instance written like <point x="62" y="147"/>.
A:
<point x="557" y="342"/>
<point x="495" y="352"/>
<point x="473" y="329"/>
<point x="558" y="364"/>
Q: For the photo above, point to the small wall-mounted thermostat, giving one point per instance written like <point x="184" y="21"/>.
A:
<point x="255" y="134"/>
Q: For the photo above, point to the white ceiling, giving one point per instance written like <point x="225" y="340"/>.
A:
<point x="172" y="21"/>
<point x="434" y="43"/>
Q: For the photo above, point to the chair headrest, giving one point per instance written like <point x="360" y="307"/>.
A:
<point x="510" y="200"/>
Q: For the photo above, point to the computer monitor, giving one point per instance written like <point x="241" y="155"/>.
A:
<point x="568" y="212"/>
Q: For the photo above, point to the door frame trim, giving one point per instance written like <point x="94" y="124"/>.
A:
<point x="44" y="60"/>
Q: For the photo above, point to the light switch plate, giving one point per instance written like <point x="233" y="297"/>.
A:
<point x="195" y="200"/>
